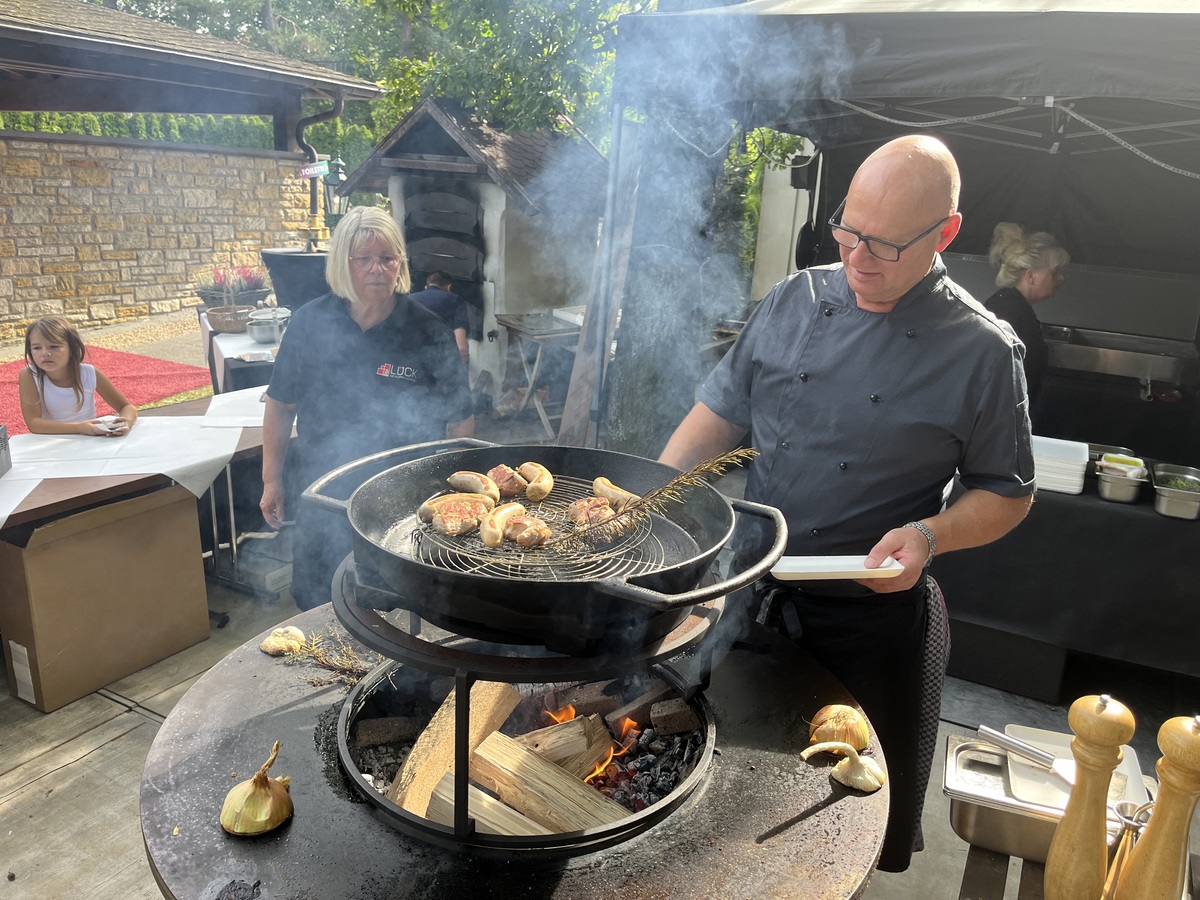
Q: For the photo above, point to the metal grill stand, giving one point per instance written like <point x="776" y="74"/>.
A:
<point x="355" y="599"/>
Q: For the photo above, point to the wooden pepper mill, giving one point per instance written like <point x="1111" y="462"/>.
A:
<point x="1158" y="863"/>
<point x="1078" y="858"/>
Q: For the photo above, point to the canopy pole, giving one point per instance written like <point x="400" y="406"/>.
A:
<point x="607" y="251"/>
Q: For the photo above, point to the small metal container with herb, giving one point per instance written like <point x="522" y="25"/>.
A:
<point x="1176" y="490"/>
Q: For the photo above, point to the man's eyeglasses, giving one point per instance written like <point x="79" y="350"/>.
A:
<point x="366" y="263"/>
<point x="877" y="247"/>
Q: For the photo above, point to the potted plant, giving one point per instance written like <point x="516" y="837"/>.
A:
<point x="235" y="286"/>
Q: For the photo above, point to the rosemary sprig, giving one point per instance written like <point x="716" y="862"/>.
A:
<point x="334" y="654"/>
<point x="656" y="501"/>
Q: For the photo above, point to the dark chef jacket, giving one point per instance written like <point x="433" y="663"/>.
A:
<point x="358" y="392"/>
<point x="862" y="418"/>
<point x="1010" y="305"/>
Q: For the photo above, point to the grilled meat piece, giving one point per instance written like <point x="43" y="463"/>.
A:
<point x="590" y="511"/>
<point x="618" y="497"/>
<point x="527" y="531"/>
<point x="491" y="526"/>
<point x="456" y="517"/>
<point x="508" y="480"/>
<point x="430" y="506"/>
<point x="475" y="482"/>
<point x="541" y="482"/>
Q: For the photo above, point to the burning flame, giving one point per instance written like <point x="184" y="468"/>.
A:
<point x="599" y="770"/>
<point x="629" y="730"/>
<point x="562" y="714"/>
<point x="629" y="735"/>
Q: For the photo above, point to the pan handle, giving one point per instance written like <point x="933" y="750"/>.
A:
<point x="660" y="601"/>
<point x="313" y="494"/>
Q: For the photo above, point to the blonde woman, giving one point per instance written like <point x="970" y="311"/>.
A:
<point x="1030" y="268"/>
<point x="359" y="370"/>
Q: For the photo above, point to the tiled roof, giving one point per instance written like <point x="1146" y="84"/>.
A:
<point x="540" y="170"/>
<point x="102" y="31"/>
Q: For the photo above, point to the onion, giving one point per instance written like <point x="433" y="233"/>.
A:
<point x="841" y="724"/>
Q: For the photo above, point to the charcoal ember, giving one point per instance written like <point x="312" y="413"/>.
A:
<point x="657" y="747"/>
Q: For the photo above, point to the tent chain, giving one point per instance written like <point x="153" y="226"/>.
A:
<point x="723" y="148"/>
<point x="1128" y="146"/>
<point x="935" y="124"/>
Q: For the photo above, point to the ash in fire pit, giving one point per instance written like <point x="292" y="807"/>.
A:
<point x="574" y="759"/>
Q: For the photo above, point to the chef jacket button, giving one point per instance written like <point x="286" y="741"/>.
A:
<point x="786" y="445"/>
<point x="828" y="311"/>
<point x="816" y="532"/>
<point x="804" y="376"/>
<point x="843" y="466"/>
<point x="875" y="398"/>
<point x="910" y="333"/>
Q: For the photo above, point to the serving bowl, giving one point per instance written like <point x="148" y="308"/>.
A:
<point x="1176" y="490"/>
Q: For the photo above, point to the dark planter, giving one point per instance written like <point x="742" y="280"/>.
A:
<point x="297" y="275"/>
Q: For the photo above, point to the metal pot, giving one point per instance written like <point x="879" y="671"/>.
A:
<point x="628" y="593"/>
<point x="266" y="330"/>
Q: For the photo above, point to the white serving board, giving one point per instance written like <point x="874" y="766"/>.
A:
<point x="1033" y="784"/>
<point x="829" y="568"/>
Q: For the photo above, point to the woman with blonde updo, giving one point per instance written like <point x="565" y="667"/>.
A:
<point x="1030" y="271"/>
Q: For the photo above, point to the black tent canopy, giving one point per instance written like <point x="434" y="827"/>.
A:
<point x="1081" y="118"/>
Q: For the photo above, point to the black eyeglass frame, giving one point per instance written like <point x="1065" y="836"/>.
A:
<point x="860" y="238"/>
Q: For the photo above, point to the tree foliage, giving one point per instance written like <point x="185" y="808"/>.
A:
<point x="526" y="64"/>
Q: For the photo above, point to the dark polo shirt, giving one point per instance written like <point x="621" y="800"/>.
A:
<point x="446" y="305"/>
<point x="359" y="392"/>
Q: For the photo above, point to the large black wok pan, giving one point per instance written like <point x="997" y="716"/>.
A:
<point x="562" y="607"/>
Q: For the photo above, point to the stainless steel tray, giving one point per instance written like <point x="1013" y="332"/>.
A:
<point x="983" y="811"/>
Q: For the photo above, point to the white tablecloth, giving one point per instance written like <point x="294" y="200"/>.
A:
<point x="180" y="447"/>
<point x="228" y="346"/>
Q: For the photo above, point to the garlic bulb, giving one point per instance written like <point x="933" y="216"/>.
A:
<point x="841" y="724"/>
<point x="260" y="804"/>
<point x="859" y="772"/>
<point x="284" y="640"/>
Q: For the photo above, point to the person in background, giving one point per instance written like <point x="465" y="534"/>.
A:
<point x="865" y="387"/>
<point x="58" y="389"/>
<point x="1030" y="271"/>
<point x="360" y="370"/>
<point x="447" y="306"/>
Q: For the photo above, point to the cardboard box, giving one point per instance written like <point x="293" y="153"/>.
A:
<point x="92" y="597"/>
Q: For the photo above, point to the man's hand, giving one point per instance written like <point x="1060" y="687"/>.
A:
<point x="909" y="548"/>
<point x="271" y="504"/>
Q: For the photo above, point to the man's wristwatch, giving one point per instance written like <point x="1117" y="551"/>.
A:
<point x="928" y="532"/>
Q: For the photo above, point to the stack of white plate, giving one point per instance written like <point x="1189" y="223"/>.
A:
<point x="1059" y="465"/>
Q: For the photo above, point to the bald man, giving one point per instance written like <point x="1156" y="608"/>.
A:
<point x="866" y="387"/>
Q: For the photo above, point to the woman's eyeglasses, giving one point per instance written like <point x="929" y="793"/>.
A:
<point x="366" y="263"/>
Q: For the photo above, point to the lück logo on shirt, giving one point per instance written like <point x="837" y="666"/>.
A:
<point x="395" y="370"/>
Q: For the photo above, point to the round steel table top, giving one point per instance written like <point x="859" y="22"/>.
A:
<point x="764" y="824"/>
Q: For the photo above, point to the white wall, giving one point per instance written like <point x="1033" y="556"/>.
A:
<point x="784" y="210"/>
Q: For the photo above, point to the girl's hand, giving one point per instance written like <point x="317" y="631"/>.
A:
<point x="95" y="427"/>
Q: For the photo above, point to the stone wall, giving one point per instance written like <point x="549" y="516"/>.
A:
<point x="103" y="230"/>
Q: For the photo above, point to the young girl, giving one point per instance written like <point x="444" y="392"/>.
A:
<point x="58" y="389"/>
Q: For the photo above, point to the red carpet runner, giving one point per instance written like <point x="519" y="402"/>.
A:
<point x="141" y="379"/>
